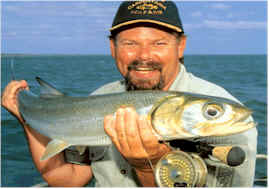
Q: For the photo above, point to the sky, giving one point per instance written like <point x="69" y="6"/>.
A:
<point x="82" y="27"/>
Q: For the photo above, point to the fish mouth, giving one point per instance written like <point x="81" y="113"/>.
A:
<point x="243" y="119"/>
<point x="244" y="126"/>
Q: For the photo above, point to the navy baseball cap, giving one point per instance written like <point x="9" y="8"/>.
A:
<point x="162" y="13"/>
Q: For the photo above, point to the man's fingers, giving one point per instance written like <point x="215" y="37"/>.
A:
<point x="120" y="129"/>
<point x="133" y="136"/>
<point x="25" y="85"/>
<point x="109" y="126"/>
<point x="9" y="96"/>
<point x="132" y="133"/>
<point x="149" y="140"/>
<point x="15" y="86"/>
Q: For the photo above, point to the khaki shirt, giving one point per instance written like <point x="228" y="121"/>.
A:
<point x="113" y="170"/>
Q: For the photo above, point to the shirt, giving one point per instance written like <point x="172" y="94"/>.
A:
<point x="114" y="171"/>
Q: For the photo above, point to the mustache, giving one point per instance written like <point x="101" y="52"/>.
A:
<point x="136" y="64"/>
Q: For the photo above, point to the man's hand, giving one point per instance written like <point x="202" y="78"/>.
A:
<point x="9" y="97"/>
<point x="134" y="138"/>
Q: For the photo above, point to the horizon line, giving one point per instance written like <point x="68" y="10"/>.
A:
<point x="83" y="54"/>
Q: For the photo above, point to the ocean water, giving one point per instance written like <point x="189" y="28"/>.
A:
<point x="244" y="76"/>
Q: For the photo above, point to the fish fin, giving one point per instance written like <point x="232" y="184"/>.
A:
<point x="48" y="90"/>
<point x="81" y="149"/>
<point x="54" y="147"/>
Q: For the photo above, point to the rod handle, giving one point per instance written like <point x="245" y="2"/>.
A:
<point x="230" y="155"/>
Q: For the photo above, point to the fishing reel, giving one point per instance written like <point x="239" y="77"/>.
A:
<point x="180" y="168"/>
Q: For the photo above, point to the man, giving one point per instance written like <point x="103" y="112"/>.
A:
<point x="147" y="41"/>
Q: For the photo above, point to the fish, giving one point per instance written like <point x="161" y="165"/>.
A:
<point x="78" y="120"/>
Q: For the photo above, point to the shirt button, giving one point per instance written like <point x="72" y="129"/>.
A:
<point x="123" y="171"/>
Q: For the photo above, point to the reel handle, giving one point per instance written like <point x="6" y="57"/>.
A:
<point x="230" y="155"/>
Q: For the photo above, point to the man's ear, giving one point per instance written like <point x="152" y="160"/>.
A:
<point x="181" y="46"/>
<point x="112" y="47"/>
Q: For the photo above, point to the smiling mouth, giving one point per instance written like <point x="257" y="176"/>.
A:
<point x="144" y="66"/>
<point x="144" y="69"/>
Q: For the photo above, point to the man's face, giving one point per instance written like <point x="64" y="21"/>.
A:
<point x="147" y="57"/>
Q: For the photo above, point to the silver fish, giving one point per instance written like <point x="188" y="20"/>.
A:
<point x="78" y="121"/>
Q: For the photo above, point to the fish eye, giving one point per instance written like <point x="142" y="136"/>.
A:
<point x="213" y="110"/>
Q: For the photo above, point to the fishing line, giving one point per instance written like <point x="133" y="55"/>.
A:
<point x="12" y="69"/>
<point x="150" y="163"/>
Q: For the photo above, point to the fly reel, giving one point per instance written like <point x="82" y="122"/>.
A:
<point x="180" y="169"/>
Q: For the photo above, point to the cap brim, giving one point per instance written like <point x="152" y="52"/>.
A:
<point x="147" y="21"/>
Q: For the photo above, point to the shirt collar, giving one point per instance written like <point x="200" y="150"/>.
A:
<point x="180" y="83"/>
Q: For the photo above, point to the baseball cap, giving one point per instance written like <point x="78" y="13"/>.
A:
<point x="162" y="13"/>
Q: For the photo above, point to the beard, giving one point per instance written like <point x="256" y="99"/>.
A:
<point x="132" y="83"/>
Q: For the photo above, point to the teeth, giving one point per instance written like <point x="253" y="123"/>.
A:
<point x="144" y="69"/>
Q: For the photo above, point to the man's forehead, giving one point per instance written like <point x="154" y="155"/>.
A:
<point x="146" y="26"/>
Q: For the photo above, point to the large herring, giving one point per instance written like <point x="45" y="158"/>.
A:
<point x="78" y="121"/>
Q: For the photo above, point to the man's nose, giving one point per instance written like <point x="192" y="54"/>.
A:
<point x="145" y="53"/>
